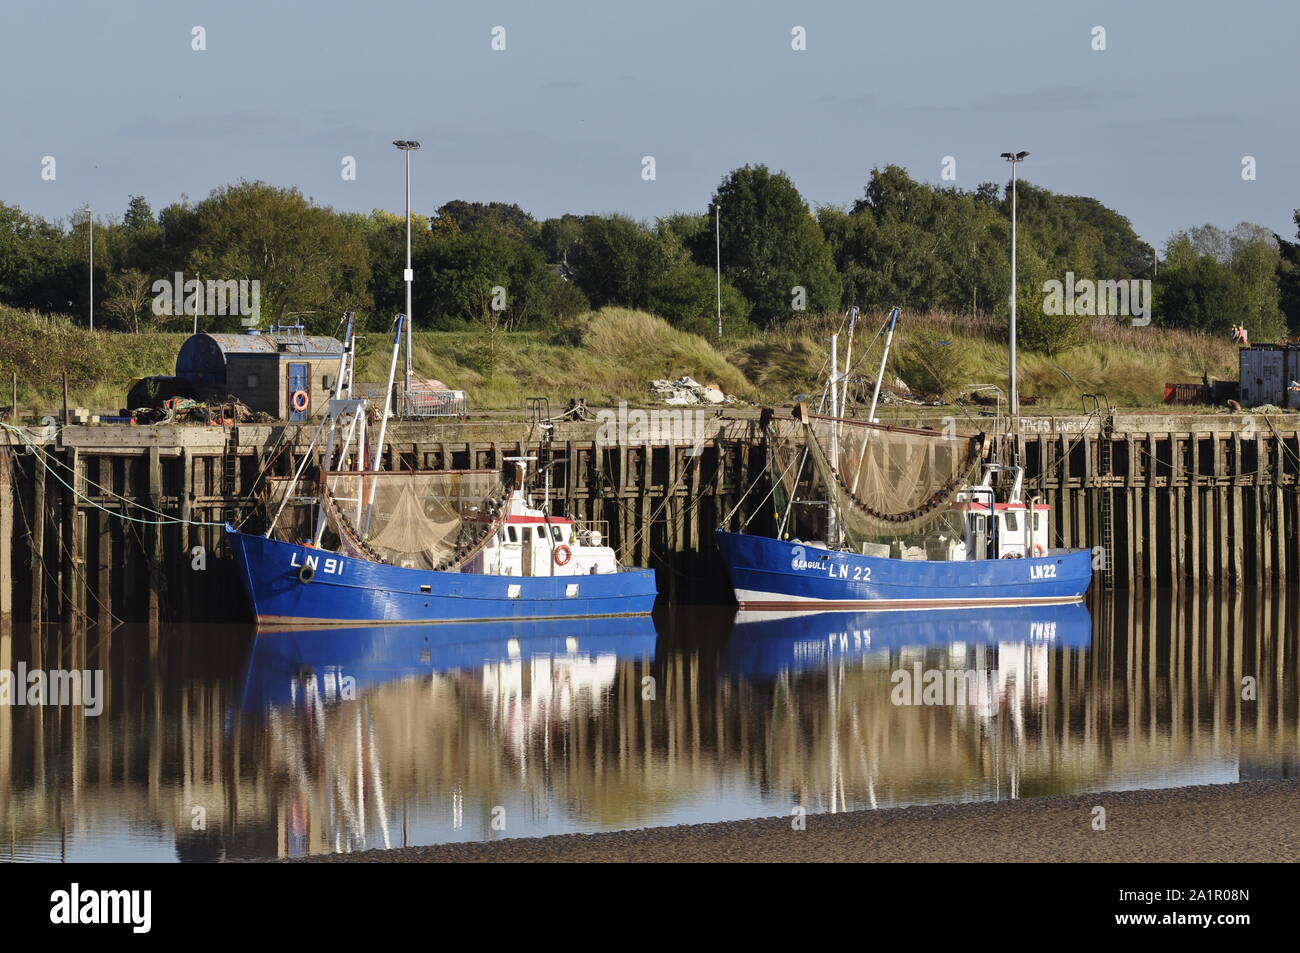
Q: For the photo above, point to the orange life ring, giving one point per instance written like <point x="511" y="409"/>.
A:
<point x="1039" y="550"/>
<point x="562" y="555"/>
<point x="299" y="401"/>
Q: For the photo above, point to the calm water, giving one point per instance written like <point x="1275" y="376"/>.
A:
<point x="214" y="742"/>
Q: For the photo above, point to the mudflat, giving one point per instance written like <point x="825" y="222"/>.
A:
<point x="1244" y="822"/>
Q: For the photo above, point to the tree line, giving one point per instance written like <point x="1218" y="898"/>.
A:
<point x="902" y="243"/>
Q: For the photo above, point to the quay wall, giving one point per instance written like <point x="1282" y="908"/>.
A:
<point x="107" y="524"/>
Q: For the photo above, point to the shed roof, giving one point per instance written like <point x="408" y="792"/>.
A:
<point x="275" y="344"/>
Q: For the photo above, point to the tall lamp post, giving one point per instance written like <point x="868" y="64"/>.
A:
<point x="717" y="253"/>
<point x="90" y="225"/>
<point x="408" y="146"/>
<point x="1013" y="392"/>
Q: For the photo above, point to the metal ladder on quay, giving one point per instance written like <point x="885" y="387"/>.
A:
<point x="230" y="470"/>
<point x="1105" y="469"/>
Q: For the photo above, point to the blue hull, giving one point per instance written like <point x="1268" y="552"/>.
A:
<point x="281" y="663"/>
<point x="775" y="574"/>
<point x="769" y="643"/>
<point x="347" y="591"/>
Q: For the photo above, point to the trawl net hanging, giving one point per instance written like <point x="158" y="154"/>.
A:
<point x="885" y="484"/>
<point x="416" y="520"/>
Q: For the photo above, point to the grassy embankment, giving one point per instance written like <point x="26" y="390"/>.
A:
<point x="613" y="353"/>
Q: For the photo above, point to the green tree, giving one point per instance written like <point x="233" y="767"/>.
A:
<point x="385" y="237"/>
<point x="311" y="263"/>
<point x="506" y="218"/>
<point x="489" y="276"/>
<point x="1201" y="295"/>
<point x="558" y="235"/>
<point x="1289" y="278"/>
<point x="1041" y="329"/>
<point x="771" y="245"/>
<point x="616" y="259"/>
<point x="34" y="261"/>
<point x="142" y="238"/>
<point x="1214" y="278"/>
<point x="1256" y="262"/>
<point x="686" y="296"/>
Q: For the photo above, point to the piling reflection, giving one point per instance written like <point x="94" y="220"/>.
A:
<point x="218" y="742"/>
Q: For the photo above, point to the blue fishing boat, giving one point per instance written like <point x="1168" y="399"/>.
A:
<point x="880" y="517"/>
<point x="373" y="546"/>
<point x="779" y="574"/>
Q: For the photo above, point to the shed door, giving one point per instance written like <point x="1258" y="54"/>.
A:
<point x="1274" y="385"/>
<point x="299" y="380"/>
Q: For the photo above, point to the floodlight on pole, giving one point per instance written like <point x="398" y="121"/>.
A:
<point x="408" y="146"/>
<point x="1013" y="392"/>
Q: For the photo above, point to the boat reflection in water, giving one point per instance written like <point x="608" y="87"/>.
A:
<point x="896" y="681"/>
<point x="339" y="740"/>
<point x="448" y="705"/>
<point x="768" y="643"/>
<point x="299" y="666"/>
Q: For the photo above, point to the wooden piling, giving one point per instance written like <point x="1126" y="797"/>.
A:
<point x="154" y="540"/>
<point x="1198" y="507"/>
<point x="7" y="579"/>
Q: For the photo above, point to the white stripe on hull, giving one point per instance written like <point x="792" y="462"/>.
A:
<point x="776" y="602"/>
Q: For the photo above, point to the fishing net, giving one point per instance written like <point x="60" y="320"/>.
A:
<point x="297" y="513"/>
<point x="886" y="486"/>
<point x="431" y="520"/>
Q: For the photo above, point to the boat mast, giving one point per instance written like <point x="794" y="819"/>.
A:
<point x="343" y="385"/>
<point x="884" y="358"/>
<point x="848" y="361"/>
<point x="832" y="515"/>
<point x="377" y="455"/>
<point x="328" y="424"/>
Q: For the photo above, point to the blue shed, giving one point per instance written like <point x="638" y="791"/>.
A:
<point x="283" y="372"/>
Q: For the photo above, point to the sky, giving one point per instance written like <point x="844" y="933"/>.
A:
<point x="1156" y="125"/>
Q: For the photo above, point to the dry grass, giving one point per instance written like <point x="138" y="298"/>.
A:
<point x="619" y="352"/>
<point x="610" y="355"/>
<point x="1129" y="365"/>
